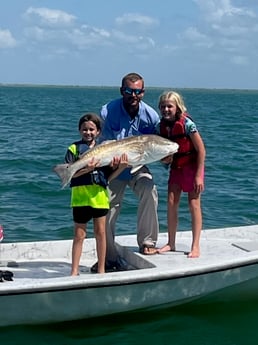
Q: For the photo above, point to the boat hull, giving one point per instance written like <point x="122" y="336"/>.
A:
<point x="32" y="300"/>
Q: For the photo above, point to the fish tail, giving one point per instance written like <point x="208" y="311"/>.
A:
<point x="63" y="171"/>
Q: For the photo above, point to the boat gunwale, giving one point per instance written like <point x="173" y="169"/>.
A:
<point x="82" y="285"/>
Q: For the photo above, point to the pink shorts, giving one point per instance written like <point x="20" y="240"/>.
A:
<point x="184" y="177"/>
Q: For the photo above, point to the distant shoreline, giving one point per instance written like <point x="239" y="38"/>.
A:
<point x="115" y="87"/>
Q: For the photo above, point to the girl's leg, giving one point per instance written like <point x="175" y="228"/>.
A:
<point x="100" y="235"/>
<point x="174" y="193"/>
<point x="79" y="236"/>
<point x="194" y="201"/>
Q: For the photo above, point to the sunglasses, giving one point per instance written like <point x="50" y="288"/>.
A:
<point x="130" y="91"/>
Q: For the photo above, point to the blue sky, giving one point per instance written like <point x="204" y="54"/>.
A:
<point x="186" y="43"/>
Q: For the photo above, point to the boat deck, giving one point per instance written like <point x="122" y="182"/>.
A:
<point x="46" y="260"/>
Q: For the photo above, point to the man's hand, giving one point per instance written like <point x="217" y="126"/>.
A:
<point x="119" y="162"/>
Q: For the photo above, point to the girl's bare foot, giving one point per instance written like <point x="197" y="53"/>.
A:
<point x="74" y="274"/>
<point x="194" y="253"/>
<point x="166" y="248"/>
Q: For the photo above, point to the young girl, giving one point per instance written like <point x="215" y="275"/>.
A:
<point x="89" y="195"/>
<point x="186" y="167"/>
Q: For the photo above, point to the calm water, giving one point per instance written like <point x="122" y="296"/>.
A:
<point x="37" y="125"/>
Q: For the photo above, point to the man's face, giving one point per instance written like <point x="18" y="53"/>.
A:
<point x="132" y="92"/>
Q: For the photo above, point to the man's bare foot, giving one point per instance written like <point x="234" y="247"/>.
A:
<point x="147" y="250"/>
<point x="166" y="248"/>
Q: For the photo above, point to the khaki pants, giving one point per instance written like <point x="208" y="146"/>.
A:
<point x="147" y="218"/>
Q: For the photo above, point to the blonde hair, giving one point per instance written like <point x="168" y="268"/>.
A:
<point x="174" y="97"/>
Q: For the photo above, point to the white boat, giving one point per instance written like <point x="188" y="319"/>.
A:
<point x="42" y="290"/>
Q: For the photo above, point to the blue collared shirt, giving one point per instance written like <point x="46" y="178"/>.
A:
<point x="118" y="124"/>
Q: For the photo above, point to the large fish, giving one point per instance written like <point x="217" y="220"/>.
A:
<point x="141" y="150"/>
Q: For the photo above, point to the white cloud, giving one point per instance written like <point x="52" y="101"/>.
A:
<point x="240" y="60"/>
<point x="6" y="39"/>
<point x="219" y="10"/>
<point x="60" y="36"/>
<point x="228" y="30"/>
<point x="36" y="33"/>
<point x="135" y="18"/>
<point x="58" y="29"/>
<point x="96" y="31"/>
<point x="197" y="38"/>
<point x="227" y="20"/>
<point x="49" y="17"/>
<point x="87" y="36"/>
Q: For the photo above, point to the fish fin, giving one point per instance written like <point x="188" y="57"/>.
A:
<point x="136" y="168"/>
<point x="63" y="171"/>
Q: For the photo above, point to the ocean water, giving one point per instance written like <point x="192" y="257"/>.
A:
<point x="37" y="125"/>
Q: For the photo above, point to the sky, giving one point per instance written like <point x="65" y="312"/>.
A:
<point x="171" y="43"/>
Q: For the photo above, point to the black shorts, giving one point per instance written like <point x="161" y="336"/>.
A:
<point x="83" y="214"/>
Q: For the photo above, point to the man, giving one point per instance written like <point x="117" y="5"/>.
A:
<point x="125" y="117"/>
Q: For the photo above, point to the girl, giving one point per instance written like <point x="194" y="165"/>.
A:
<point x="186" y="167"/>
<point x="89" y="195"/>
